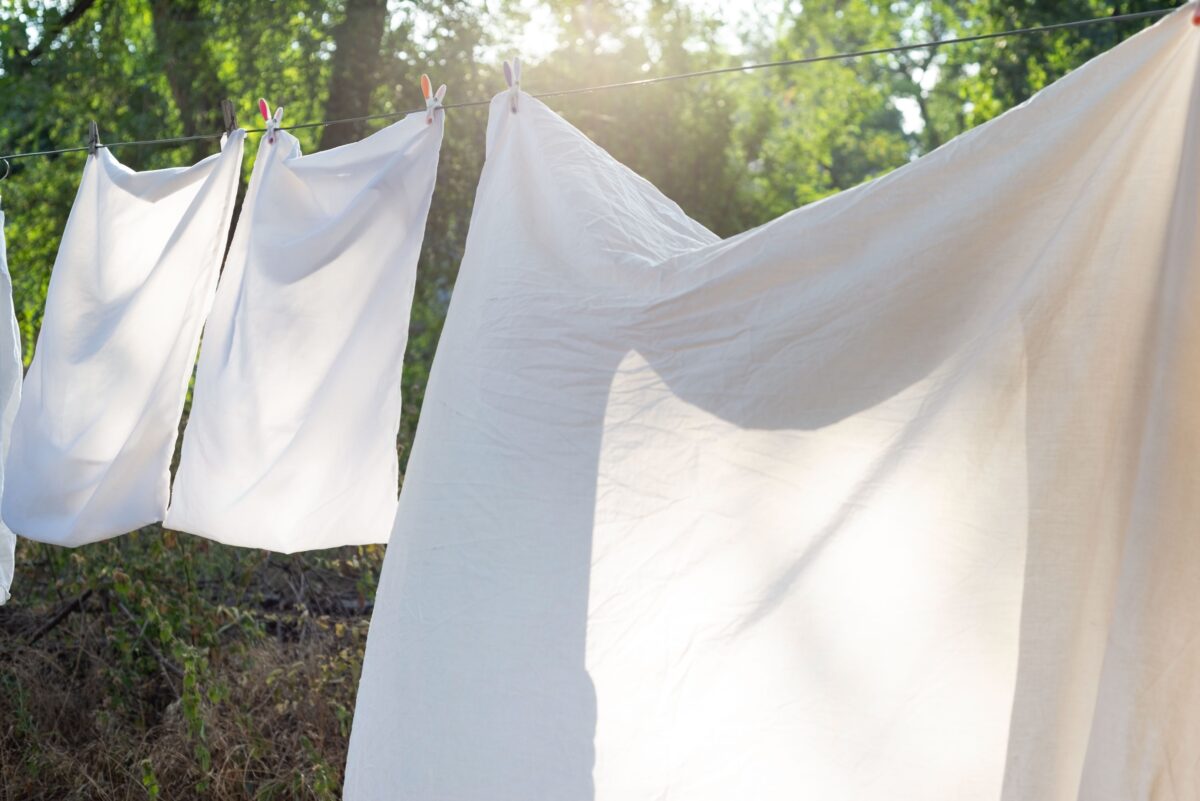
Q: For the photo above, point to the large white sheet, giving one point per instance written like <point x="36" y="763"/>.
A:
<point x="10" y="396"/>
<point x="291" y="441"/>
<point x="134" y="277"/>
<point x="893" y="498"/>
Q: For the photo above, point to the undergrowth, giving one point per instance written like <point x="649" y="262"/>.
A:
<point x="163" y="666"/>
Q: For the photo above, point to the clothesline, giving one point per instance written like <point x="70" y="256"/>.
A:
<point x="641" y="82"/>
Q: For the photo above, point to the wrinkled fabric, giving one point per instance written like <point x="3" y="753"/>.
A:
<point x="895" y="497"/>
<point x="10" y="396"/>
<point x="291" y="440"/>
<point x="99" y="414"/>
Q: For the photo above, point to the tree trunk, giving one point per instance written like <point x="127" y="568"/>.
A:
<point x="355" y="69"/>
<point x="190" y="73"/>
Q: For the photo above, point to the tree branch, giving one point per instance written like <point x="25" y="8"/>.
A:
<point x="24" y="61"/>
<point x="59" y="617"/>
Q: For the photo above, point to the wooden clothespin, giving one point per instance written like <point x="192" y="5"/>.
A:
<point x="230" y="117"/>
<point x="512" y="74"/>
<point x="93" y="138"/>
<point x="433" y="100"/>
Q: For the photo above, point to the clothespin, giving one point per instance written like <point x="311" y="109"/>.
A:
<point x="93" y="138"/>
<point x="512" y="74"/>
<point x="229" y="115"/>
<point x="272" y="122"/>
<point x="1196" y="15"/>
<point x="432" y="100"/>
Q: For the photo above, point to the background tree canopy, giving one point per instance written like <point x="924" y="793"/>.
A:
<point x="162" y="665"/>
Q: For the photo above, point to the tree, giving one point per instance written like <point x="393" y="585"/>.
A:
<point x="188" y="67"/>
<point x="356" y="59"/>
<point x="821" y="128"/>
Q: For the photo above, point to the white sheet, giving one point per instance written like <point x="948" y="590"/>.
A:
<point x="10" y="396"/>
<point x="893" y="498"/>
<point x="291" y="442"/>
<point x="135" y="274"/>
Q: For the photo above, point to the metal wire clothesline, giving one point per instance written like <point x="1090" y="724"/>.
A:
<point x="640" y="82"/>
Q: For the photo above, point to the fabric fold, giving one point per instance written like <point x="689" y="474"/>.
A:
<point x="10" y="396"/>
<point x="291" y="441"/>
<point x="891" y="498"/>
<point x="134" y="278"/>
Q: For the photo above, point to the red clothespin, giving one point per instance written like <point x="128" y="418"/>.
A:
<point x="271" y="122"/>
<point x="512" y="74"/>
<point x="433" y="100"/>
<point x="1196" y="15"/>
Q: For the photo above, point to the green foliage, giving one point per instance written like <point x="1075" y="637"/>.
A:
<point x="163" y="666"/>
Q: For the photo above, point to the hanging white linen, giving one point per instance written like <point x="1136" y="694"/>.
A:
<point x="10" y="396"/>
<point x="135" y="274"/>
<point x="895" y="497"/>
<point x="291" y="441"/>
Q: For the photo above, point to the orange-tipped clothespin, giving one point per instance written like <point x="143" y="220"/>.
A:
<point x="433" y="100"/>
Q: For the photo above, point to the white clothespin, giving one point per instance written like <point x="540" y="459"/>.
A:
<point x="512" y="74"/>
<point x="433" y="100"/>
<point x="273" y="122"/>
